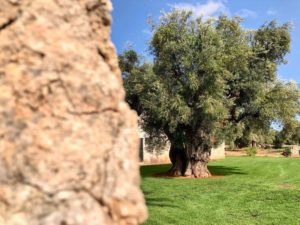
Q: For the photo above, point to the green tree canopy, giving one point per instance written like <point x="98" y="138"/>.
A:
<point x="210" y="80"/>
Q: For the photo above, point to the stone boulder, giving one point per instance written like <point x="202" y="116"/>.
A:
<point x="68" y="141"/>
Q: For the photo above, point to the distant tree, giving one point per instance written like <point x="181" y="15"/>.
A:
<point x="290" y="134"/>
<point x="133" y="74"/>
<point x="259" y="98"/>
<point x="261" y="137"/>
<point x="295" y="139"/>
<point x="279" y="140"/>
<point x="128" y="61"/>
<point x="210" y="80"/>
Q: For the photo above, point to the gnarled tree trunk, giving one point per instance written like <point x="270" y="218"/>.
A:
<point x="198" y="158"/>
<point x="190" y="162"/>
<point x="179" y="161"/>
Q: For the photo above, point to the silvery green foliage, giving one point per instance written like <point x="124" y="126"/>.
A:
<point x="212" y="79"/>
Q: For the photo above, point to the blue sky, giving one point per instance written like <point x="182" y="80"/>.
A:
<point x="130" y="21"/>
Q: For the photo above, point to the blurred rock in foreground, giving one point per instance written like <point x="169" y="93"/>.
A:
<point x="68" y="142"/>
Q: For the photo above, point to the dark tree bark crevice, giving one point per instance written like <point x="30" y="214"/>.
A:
<point x="189" y="163"/>
<point x="179" y="161"/>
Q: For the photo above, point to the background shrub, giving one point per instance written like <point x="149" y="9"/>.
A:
<point x="250" y="151"/>
<point x="287" y="152"/>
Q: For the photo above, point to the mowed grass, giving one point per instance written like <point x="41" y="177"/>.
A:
<point x="254" y="190"/>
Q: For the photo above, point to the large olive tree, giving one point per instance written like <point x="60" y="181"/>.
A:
<point x="209" y="81"/>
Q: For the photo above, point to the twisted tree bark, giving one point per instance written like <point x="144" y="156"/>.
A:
<point x="190" y="162"/>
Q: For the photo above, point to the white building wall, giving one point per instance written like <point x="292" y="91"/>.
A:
<point x="218" y="152"/>
<point x="163" y="155"/>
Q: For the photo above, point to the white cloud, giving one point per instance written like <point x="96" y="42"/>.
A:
<point x="246" y="13"/>
<point x="147" y="32"/>
<point x="207" y="10"/>
<point x="271" y="12"/>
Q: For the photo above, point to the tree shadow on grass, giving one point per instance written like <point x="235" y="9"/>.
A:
<point x="155" y="170"/>
<point x="225" y="170"/>
<point x="151" y="170"/>
<point x="158" y="201"/>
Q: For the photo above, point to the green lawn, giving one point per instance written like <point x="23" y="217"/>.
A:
<point x="254" y="190"/>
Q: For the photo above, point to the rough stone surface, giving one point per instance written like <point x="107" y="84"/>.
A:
<point x="68" y="142"/>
